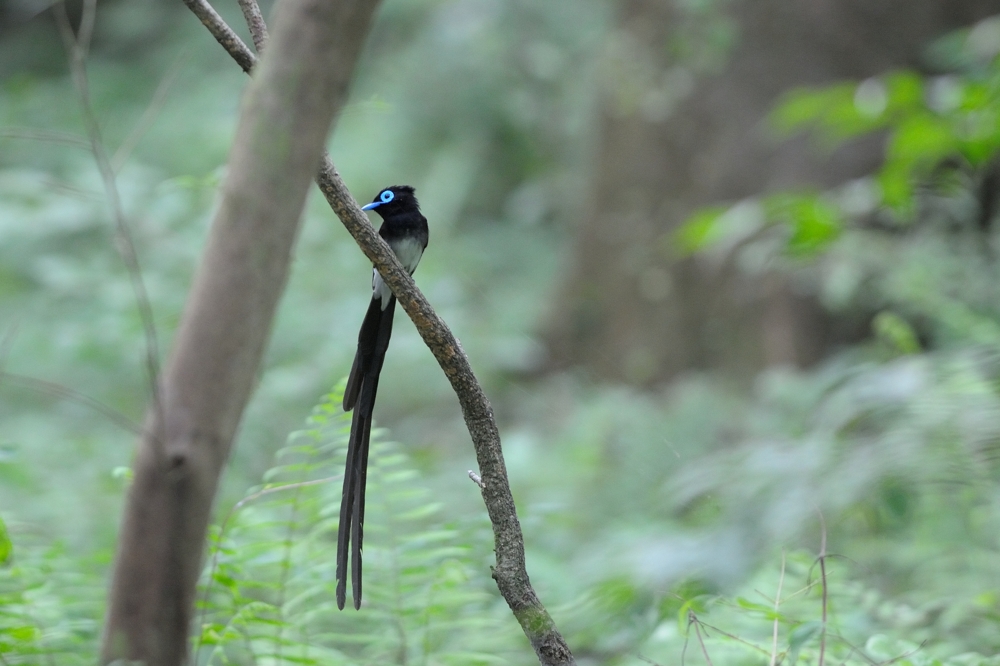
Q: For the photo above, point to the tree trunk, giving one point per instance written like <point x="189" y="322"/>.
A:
<point x="287" y="112"/>
<point x="672" y="141"/>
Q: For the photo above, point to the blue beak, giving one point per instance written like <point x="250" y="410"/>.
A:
<point x="374" y="204"/>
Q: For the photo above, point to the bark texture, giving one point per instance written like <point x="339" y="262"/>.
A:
<point x="287" y="113"/>
<point x="672" y="142"/>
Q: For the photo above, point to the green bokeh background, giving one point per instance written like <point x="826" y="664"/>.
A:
<point x="637" y="505"/>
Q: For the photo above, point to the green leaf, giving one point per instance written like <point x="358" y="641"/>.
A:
<point x="837" y="112"/>
<point x="6" y="545"/>
<point x="689" y="588"/>
<point x="906" y="92"/>
<point x="810" y="106"/>
<point x="921" y="140"/>
<point x="813" y="220"/>
<point x="767" y="611"/>
<point x="694" y="605"/>
<point x="616" y="595"/>
<point x="122" y="473"/>
<point x="699" y="231"/>
<point x="683" y="614"/>
<point x="24" y="633"/>
<point x="818" y="224"/>
<point x="897" y="188"/>
<point x="895" y="331"/>
<point x="225" y="581"/>
<point x="801" y="635"/>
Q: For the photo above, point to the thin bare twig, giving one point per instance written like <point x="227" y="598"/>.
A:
<point x="874" y="662"/>
<point x="76" y="48"/>
<point x="693" y="619"/>
<point x="32" y="134"/>
<point x="87" y="20"/>
<point x="853" y="649"/>
<point x="825" y="588"/>
<point x="223" y="33"/>
<point x="802" y="590"/>
<point x="777" y="604"/>
<point x="734" y="637"/>
<point x="149" y="115"/>
<point x="66" y="393"/>
<point x="255" y="21"/>
<point x="687" y="640"/>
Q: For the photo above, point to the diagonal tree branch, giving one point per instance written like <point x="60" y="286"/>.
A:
<point x="510" y="572"/>
<point x="223" y="33"/>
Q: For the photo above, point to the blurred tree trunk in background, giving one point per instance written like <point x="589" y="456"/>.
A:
<point x="673" y="141"/>
<point x="286" y="115"/>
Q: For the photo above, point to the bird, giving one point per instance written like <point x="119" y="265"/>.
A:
<point x="404" y="228"/>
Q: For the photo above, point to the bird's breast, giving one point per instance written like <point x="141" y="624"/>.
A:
<point x="408" y="250"/>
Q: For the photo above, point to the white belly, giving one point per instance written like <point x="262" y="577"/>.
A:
<point x="408" y="251"/>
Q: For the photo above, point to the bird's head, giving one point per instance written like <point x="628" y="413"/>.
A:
<point x="393" y="199"/>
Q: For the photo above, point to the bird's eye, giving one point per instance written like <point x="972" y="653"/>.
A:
<point x="387" y="196"/>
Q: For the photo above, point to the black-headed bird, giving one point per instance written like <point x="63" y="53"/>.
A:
<point x="404" y="228"/>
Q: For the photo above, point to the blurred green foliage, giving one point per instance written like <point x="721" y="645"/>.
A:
<point x="656" y="522"/>
<point x="269" y="588"/>
<point x="492" y="160"/>
<point x="933" y="126"/>
<point x="894" y="440"/>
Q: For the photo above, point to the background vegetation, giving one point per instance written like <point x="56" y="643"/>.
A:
<point x="666" y="518"/>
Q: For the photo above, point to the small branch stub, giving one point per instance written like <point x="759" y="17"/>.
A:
<point x="476" y="479"/>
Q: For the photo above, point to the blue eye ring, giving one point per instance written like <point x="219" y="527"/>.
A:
<point x="385" y="197"/>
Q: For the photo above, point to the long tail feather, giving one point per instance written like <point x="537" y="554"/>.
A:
<point x="358" y="517"/>
<point x="354" y="380"/>
<point x="346" y="511"/>
<point x="367" y="340"/>
<point x="373" y="342"/>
